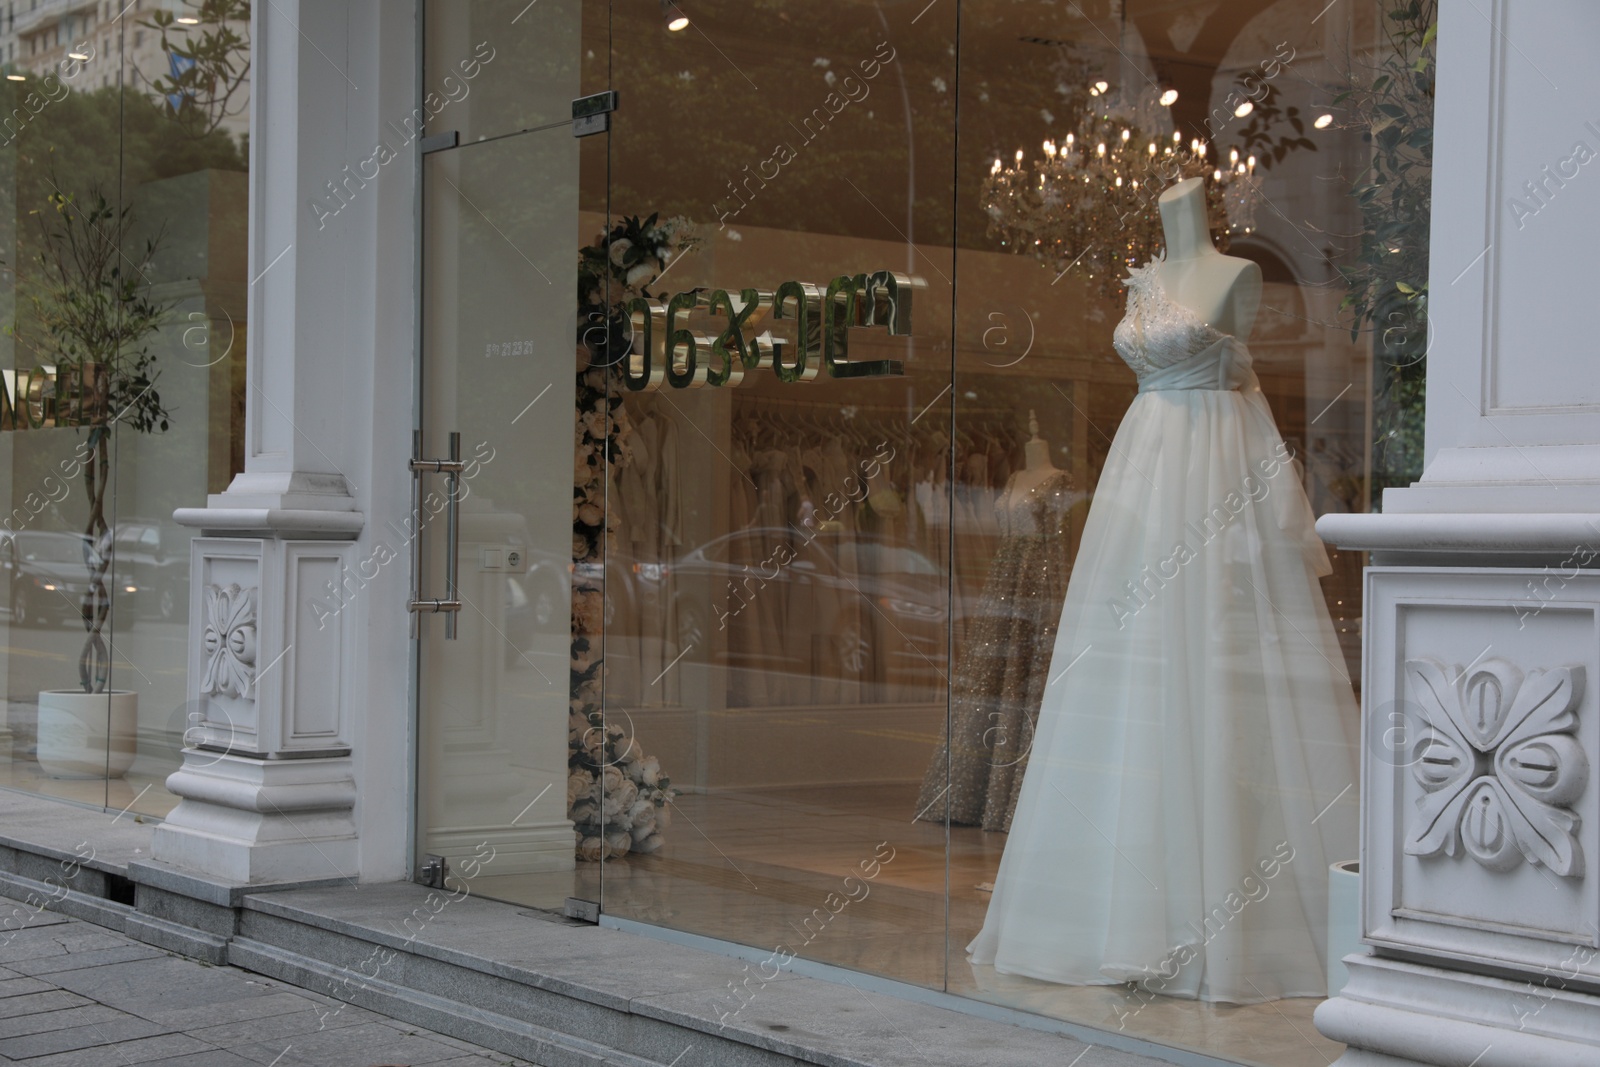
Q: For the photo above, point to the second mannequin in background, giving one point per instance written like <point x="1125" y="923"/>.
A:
<point x="1000" y="675"/>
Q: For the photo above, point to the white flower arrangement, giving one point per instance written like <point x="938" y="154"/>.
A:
<point x="617" y="796"/>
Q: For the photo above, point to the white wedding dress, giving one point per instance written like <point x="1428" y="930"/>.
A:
<point x="1193" y="771"/>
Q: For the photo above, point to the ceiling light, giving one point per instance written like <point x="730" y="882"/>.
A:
<point x="1243" y="109"/>
<point x="15" y="78"/>
<point x="1169" y="98"/>
<point x="1101" y="86"/>
<point x="187" y="20"/>
<point x="1323" y="122"/>
<point x="78" y="55"/>
<point x="676" y="19"/>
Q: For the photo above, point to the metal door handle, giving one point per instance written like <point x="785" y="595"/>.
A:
<point x="451" y="468"/>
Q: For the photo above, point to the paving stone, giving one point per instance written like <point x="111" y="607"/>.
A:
<point x="163" y="1049"/>
<point x="351" y="1046"/>
<point x="54" y="941"/>
<point x="74" y="961"/>
<point x="76" y="995"/>
<point x="59" y="1020"/>
<point x="21" y="916"/>
<point x="153" y="985"/>
<point x="214" y="1058"/>
<point x="92" y="1035"/>
<point x="11" y="987"/>
<point x="279" y="1028"/>
<point x="33" y="1003"/>
<point x="232" y="1011"/>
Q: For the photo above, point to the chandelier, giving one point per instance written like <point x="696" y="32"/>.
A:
<point x="1087" y="204"/>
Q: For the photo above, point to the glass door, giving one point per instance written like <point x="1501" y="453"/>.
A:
<point x="779" y="612"/>
<point x="509" y="192"/>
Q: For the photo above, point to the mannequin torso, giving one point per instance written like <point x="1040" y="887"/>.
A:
<point x="1036" y="471"/>
<point x="1225" y="291"/>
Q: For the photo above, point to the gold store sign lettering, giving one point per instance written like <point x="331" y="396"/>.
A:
<point x="667" y="350"/>
<point x="74" y="394"/>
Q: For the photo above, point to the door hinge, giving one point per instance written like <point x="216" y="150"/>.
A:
<point x="592" y="114"/>
<point x="433" y="872"/>
<point x="583" y="910"/>
<point x="439" y="142"/>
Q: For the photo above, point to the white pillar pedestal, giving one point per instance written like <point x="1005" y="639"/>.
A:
<point x="1417" y="1014"/>
<point x="290" y="718"/>
<point x="1481" y="640"/>
<point x="251" y="820"/>
<point x="267" y="784"/>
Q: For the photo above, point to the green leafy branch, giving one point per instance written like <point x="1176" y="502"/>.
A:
<point x="94" y="304"/>
<point x="1386" y="285"/>
<point x="213" y="86"/>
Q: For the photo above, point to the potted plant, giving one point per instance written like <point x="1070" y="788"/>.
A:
<point x="94" y="305"/>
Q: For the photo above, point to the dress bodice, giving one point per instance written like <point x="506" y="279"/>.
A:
<point x="1037" y="512"/>
<point x="1169" y="346"/>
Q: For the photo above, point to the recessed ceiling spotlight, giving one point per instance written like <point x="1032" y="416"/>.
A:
<point x="677" y="21"/>
<point x="1323" y="122"/>
<point x="1169" y="98"/>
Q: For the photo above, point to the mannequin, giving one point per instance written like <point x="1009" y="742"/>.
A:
<point x="1197" y="717"/>
<point x="1008" y="634"/>
<point x="1225" y="291"/>
<point x="1037" y="468"/>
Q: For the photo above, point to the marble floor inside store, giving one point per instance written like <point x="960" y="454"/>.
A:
<point x="769" y="868"/>
<point x="140" y="795"/>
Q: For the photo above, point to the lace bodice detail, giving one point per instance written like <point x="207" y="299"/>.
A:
<point x="1157" y="331"/>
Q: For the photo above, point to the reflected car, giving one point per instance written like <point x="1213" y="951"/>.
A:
<point x="44" y="576"/>
<point x="150" y="563"/>
<point x="869" y="608"/>
<point x="537" y="598"/>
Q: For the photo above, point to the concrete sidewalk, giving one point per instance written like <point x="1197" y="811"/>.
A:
<point x="77" y="995"/>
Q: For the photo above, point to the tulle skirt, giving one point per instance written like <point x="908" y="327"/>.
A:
<point x="1193" y="771"/>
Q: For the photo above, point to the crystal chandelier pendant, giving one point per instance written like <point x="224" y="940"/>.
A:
<point x="1088" y="203"/>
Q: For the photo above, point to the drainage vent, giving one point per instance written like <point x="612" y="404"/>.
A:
<point x="119" y="889"/>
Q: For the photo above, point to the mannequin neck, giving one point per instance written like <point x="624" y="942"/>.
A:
<point x="1036" y="454"/>
<point x="1184" y="224"/>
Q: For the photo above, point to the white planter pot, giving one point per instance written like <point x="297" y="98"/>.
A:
<point x="1344" y="920"/>
<point x="87" y="735"/>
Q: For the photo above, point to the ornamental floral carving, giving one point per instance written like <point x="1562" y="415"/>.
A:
<point x="229" y="641"/>
<point x="1499" y="765"/>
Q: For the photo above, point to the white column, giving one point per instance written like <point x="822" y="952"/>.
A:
<point x="298" y="632"/>
<point x="1481" y="716"/>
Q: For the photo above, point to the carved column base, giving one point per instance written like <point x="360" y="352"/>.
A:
<point x="1392" y="1013"/>
<point x="250" y="820"/>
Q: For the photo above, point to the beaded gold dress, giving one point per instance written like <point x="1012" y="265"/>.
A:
<point x="1001" y="672"/>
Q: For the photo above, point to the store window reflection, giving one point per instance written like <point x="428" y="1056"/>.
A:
<point x="123" y="298"/>
<point x="1149" y="349"/>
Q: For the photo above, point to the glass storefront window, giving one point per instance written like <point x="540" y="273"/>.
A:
<point x="122" y="231"/>
<point x="957" y="387"/>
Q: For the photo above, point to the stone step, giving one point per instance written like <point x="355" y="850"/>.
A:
<point x="529" y="983"/>
<point x="525" y="982"/>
